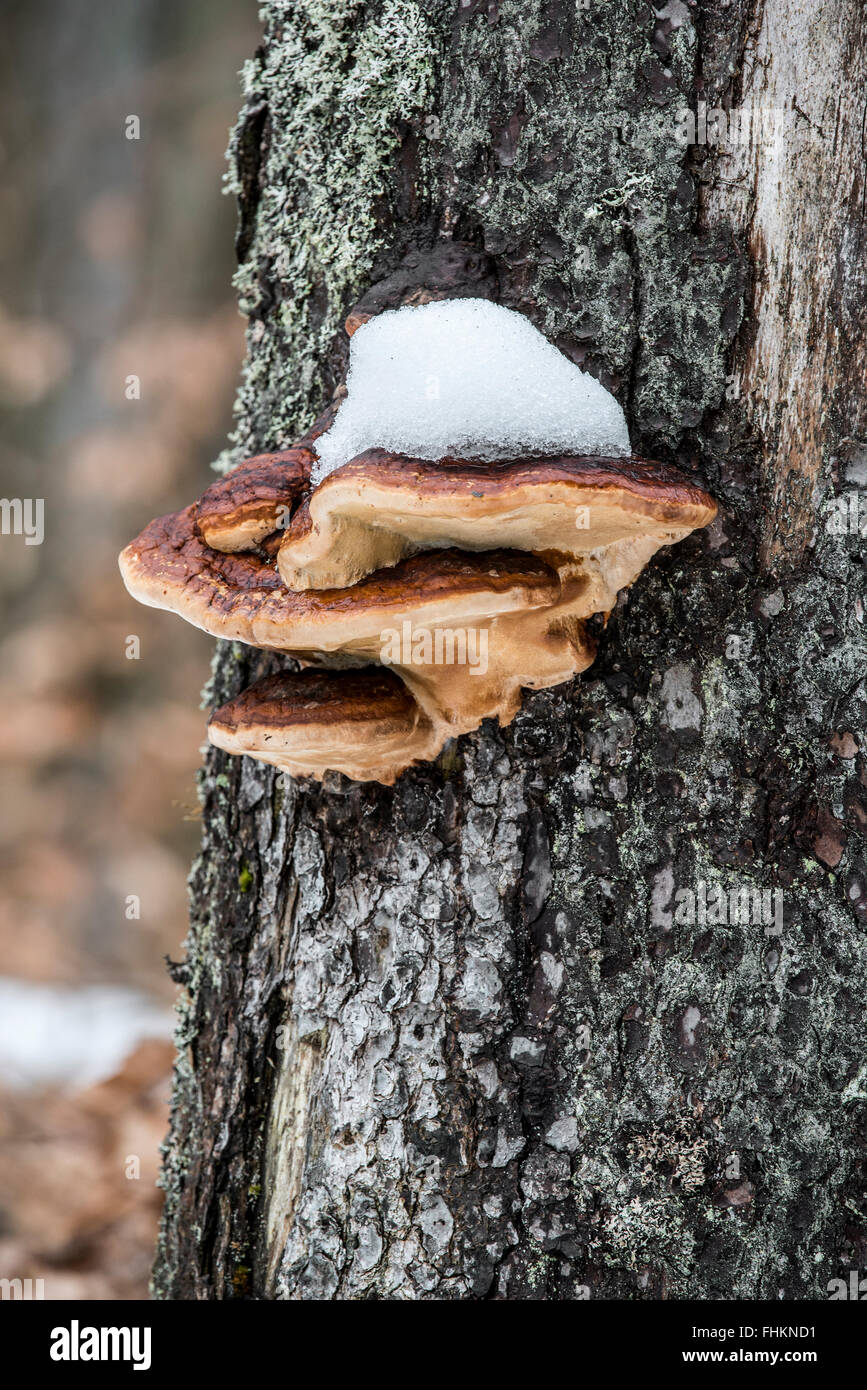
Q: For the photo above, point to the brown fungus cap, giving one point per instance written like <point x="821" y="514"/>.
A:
<point x="242" y="597"/>
<point x="380" y="507"/>
<point x="465" y="631"/>
<point x="364" y="724"/>
<point x="258" y="496"/>
<point x="254" y="499"/>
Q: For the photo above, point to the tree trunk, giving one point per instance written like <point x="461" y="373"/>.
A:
<point x="477" y="1035"/>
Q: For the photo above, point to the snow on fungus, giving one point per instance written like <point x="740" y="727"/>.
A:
<point x="469" y="379"/>
<point x="431" y="548"/>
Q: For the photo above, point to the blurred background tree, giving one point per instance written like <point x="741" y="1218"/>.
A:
<point x="116" y="259"/>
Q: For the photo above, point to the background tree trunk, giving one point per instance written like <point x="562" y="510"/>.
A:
<point x="453" y="1039"/>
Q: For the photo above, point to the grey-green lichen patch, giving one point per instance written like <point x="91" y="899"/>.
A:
<point x="585" y="201"/>
<point x="712" y="1062"/>
<point x="337" y="80"/>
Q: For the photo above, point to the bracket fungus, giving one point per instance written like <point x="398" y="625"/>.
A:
<point x="307" y="723"/>
<point x="241" y="509"/>
<point x="420" y="595"/>
<point x="600" y="517"/>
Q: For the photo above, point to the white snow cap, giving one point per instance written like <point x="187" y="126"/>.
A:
<point x="468" y="379"/>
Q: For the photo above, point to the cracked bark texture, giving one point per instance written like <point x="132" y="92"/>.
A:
<point x="454" y="1039"/>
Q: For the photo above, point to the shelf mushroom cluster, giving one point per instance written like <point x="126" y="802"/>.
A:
<point x="450" y="560"/>
<point x="419" y="597"/>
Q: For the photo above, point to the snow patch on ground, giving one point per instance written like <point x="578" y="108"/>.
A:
<point x="71" y="1036"/>
<point x="468" y="379"/>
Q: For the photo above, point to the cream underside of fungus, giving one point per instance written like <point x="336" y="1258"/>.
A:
<point x="455" y="581"/>
<point x="587" y="515"/>
<point x="489" y="625"/>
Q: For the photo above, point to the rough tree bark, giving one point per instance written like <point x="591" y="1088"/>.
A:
<point x="455" y="1039"/>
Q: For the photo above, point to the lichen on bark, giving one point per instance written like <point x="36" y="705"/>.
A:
<point x="452" y="1039"/>
<point x="327" y="97"/>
